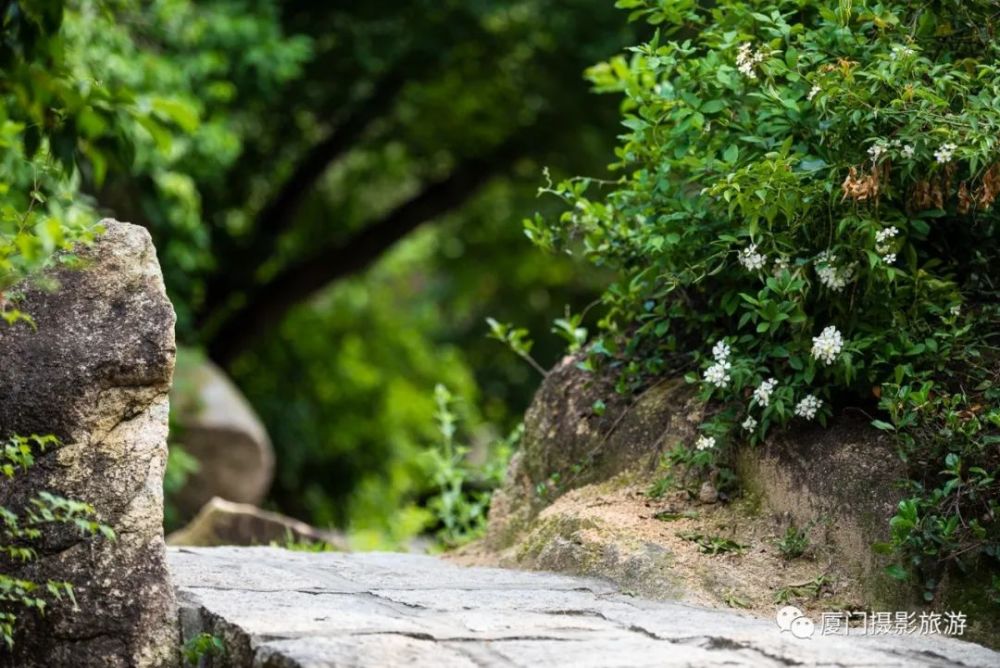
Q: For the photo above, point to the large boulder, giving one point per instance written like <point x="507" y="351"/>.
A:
<point x="96" y="374"/>
<point x="589" y="493"/>
<point x="215" y="424"/>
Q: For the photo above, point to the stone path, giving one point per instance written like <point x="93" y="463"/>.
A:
<point x="279" y="609"/>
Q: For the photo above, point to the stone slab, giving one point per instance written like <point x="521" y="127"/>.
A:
<point x="280" y="609"/>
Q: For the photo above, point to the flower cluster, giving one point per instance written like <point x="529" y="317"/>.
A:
<point x="747" y="59"/>
<point x="829" y="274"/>
<point x="750" y="423"/>
<point x="885" y="234"/>
<point x="751" y="259"/>
<point x="718" y="373"/>
<point x="705" y="443"/>
<point x="813" y="92"/>
<point x="881" y="147"/>
<point x="808" y="407"/>
<point x="945" y="153"/>
<point x="762" y="395"/>
<point x="882" y="247"/>
<point x="827" y="345"/>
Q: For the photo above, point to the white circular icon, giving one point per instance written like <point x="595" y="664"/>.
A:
<point x="803" y="628"/>
<point x="790" y="618"/>
<point x="786" y="616"/>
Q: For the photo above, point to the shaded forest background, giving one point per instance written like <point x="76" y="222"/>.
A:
<point x="336" y="191"/>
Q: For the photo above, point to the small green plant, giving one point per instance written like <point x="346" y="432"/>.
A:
<point x="950" y="514"/>
<point x="571" y="330"/>
<point x="459" y="507"/>
<point x="297" y="544"/>
<point x="810" y="590"/>
<point x="794" y="543"/>
<point x="660" y="486"/>
<point x="733" y="600"/>
<point x="670" y="516"/>
<point x="20" y="528"/>
<point x="713" y="544"/>
<point x="202" y="646"/>
<point x="517" y="339"/>
<point x="180" y="467"/>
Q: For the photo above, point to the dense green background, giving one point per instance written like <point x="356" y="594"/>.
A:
<point x="336" y="192"/>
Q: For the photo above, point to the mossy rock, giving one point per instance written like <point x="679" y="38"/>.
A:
<point x="841" y="481"/>
<point x="567" y="444"/>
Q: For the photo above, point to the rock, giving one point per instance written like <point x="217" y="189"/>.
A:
<point x="844" y="477"/>
<point x="222" y="522"/>
<point x="578" y="499"/>
<point x="708" y="493"/>
<point x="566" y="444"/>
<point x="278" y="609"/>
<point x="215" y="424"/>
<point x="96" y="374"/>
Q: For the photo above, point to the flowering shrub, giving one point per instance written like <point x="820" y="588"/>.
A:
<point x="809" y="187"/>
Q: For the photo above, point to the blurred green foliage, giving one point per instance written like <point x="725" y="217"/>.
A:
<point x="286" y="158"/>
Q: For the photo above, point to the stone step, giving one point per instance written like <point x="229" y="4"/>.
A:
<point x="274" y="608"/>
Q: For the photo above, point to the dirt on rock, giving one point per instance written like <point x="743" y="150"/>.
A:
<point x="675" y="547"/>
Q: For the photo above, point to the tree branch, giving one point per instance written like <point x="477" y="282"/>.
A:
<point x="280" y="212"/>
<point x="265" y="305"/>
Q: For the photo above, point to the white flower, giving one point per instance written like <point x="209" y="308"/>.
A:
<point x="908" y="151"/>
<point x="813" y="92"/>
<point x="781" y="264"/>
<point x="718" y="374"/>
<point x="808" y="406"/>
<point x="876" y="151"/>
<point x="720" y="351"/>
<point x="956" y="310"/>
<point x="944" y="154"/>
<point x="882" y="247"/>
<point x="834" y="277"/>
<point x="762" y="395"/>
<point x="750" y="423"/>
<point x="705" y="442"/>
<point x="751" y="259"/>
<point x="828" y="345"/>
<point x="903" y="51"/>
<point x="747" y="58"/>
<point x="885" y="234"/>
